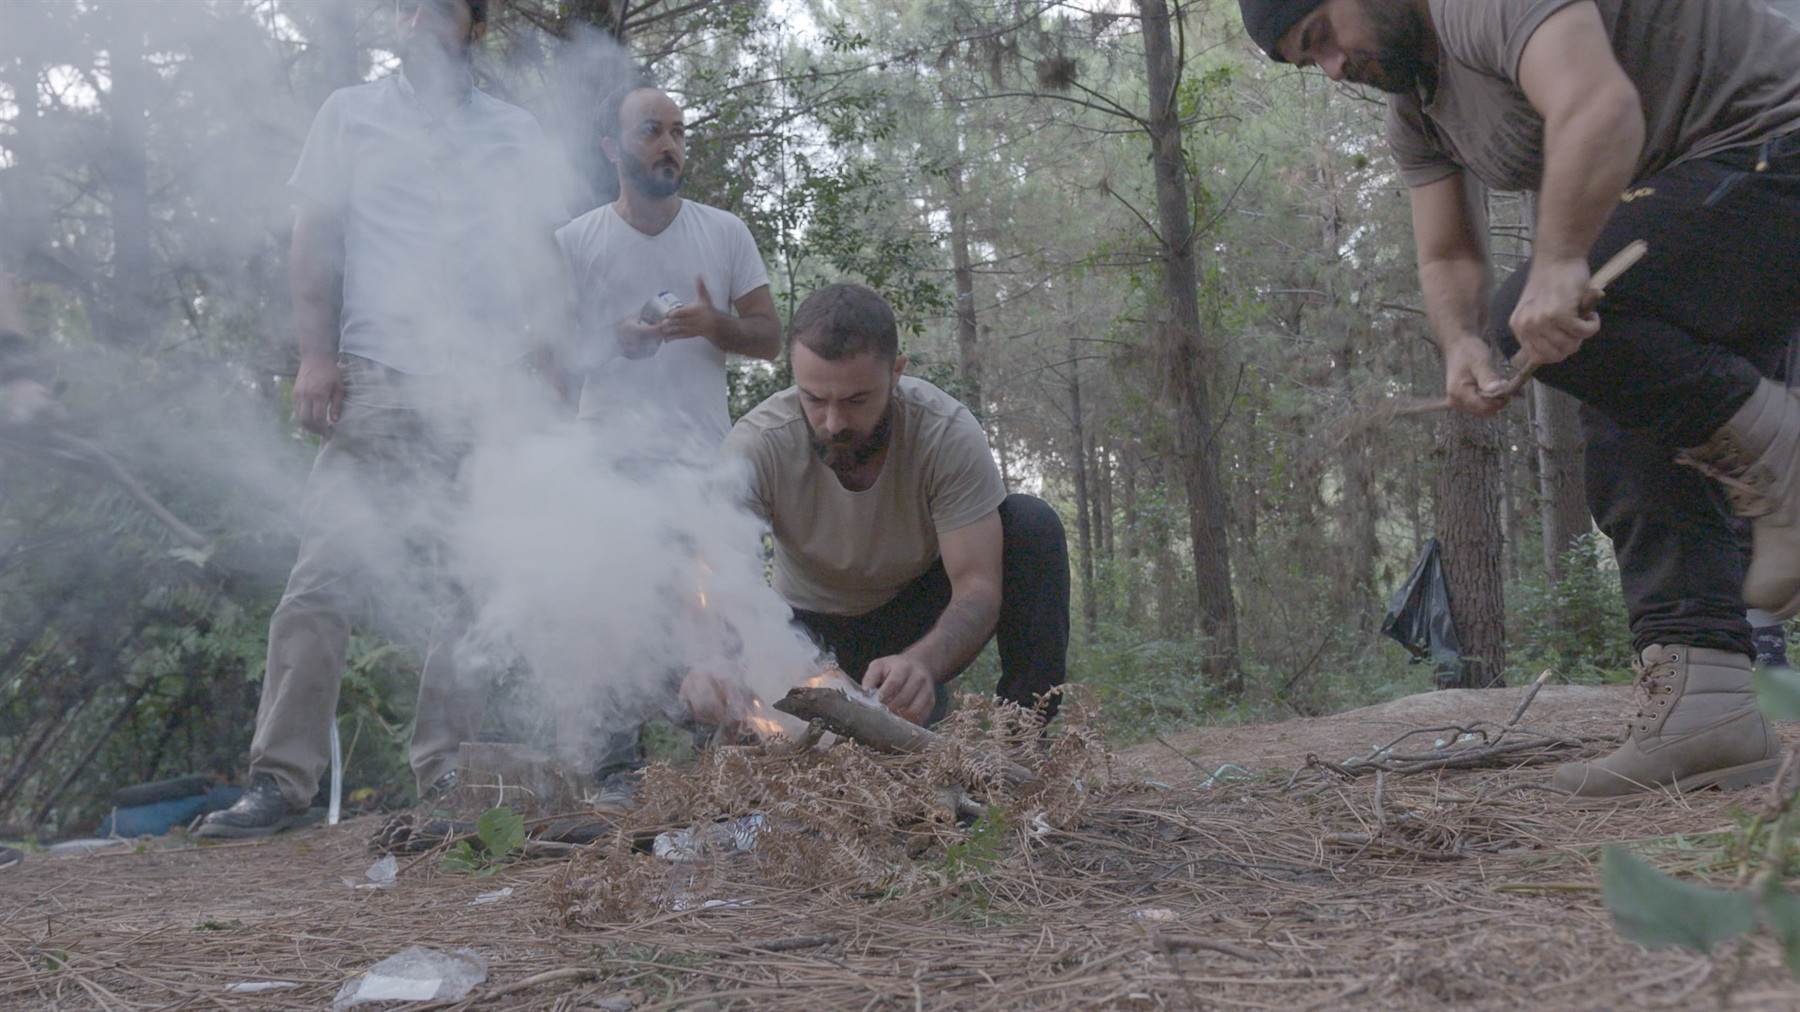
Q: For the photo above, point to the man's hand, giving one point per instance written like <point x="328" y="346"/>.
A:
<point x="904" y="685"/>
<point x="318" y="394"/>
<point x="1548" y="320"/>
<point x="712" y="699"/>
<point x="1468" y="370"/>
<point x="695" y="319"/>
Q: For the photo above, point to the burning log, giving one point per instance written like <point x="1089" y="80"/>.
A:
<point x="875" y="726"/>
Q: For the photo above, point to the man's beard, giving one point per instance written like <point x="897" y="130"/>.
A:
<point x="849" y="450"/>
<point x="1400" y="63"/>
<point x="649" y="181"/>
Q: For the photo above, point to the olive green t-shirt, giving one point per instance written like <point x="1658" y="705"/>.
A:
<point x="1711" y="74"/>
<point x="846" y="553"/>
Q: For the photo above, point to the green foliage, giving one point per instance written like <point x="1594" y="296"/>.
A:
<point x="985" y="845"/>
<point x="1576" y="626"/>
<point x="499" y="835"/>
<point x="1658" y="911"/>
<point x="967" y="864"/>
<point x="1778" y="692"/>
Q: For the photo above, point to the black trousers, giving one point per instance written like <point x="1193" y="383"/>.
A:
<point x="1685" y="336"/>
<point x="1033" y="631"/>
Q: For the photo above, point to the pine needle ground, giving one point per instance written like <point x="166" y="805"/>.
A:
<point x="1141" y="880"/>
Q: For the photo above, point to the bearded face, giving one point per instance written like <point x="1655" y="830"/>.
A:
<point x="660" y="178"/>
<point x="847" y="450"/>
<point x="1396" y="61"/>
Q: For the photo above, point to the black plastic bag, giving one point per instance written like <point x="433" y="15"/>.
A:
<point x="1418" y="618"/>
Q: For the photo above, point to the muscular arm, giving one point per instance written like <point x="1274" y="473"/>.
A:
<point x="1454" y="277"/>
<point x="1593" y="137"/>
<point x="316" y="285"/>
<point x="756" y="330"/>
<point x="907" y="681"/>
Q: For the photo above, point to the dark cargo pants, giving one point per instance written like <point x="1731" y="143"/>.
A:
<point x="1685" y="336"/>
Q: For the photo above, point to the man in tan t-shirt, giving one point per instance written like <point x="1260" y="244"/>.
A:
<point x="896" y="543"/>
<point x="1672" y="121"/>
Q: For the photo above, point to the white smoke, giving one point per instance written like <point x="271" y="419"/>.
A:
<point x="613" y="568"/>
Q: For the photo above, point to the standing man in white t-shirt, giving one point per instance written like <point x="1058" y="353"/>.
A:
<point x="660" y="386"/>
<point x="648" y="242"/>
<point x="420" y="262"/>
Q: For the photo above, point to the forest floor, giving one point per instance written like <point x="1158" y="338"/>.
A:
<point x="1169" y="888"/>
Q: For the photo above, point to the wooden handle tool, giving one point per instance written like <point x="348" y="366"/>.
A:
<point x="1606" y="275"/>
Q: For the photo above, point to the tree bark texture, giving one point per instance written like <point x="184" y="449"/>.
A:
<point x="1474" y="547"/>
<point x="963" y="274"/>
<point x="1186" y="398"/>
<point x="1083" y="525"/>
<point x="126" y="170"/>
<point x="1562" y="489"/>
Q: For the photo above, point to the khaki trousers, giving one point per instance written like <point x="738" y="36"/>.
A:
<point x="379" y="498"/>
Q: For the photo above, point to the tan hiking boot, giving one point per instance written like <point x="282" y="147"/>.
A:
<point x="1697" y="726"/>
<point x="1756" y="456"/>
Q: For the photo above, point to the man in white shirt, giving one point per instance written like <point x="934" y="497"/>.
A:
<point x="648" y="242"/>
<point x="658" y="386"/>
<point x="421" y="240"/>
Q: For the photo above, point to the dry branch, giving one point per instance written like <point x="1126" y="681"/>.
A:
<point x="877" y="727"/>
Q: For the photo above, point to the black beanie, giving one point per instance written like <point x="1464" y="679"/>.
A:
<point x="1268" y="20"/>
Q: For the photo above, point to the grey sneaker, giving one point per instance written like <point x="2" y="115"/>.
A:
<point x="262" y="811"/>
<point x="439" y="791"/>
<point x="616" y="791"/>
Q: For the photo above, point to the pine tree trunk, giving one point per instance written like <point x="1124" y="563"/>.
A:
<point x="1469" y="524"/>
<point x="1083" y="525"/>
<point x="130" y="314"/>
<point x="1562" y="488"/>
<point x="963" y="275"/>
<point x="1186" y="398"/>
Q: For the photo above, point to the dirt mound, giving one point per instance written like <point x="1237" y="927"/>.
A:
<point x="1471" y="889"/>
<point x="1578" y="710"/>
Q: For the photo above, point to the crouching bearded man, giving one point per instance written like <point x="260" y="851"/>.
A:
<point x="896" y="543"/>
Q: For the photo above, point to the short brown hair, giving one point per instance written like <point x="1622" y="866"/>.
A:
<point x="614" y="100"/>
<point x="844" y="320"/>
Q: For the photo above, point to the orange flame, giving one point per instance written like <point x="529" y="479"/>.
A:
<point x="761" y="724"/>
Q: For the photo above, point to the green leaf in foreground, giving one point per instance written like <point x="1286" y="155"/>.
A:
<point x="1658" y="911"/>
<point x="1782" y="910"/>
<point x="501" y="830"/>
<point x="1778" y="692"/>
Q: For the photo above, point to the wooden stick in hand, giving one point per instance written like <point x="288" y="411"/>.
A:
<point x="1606" y="275"/>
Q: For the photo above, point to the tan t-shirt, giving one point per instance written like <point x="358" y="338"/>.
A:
<point x="845" y="553"/>
<point x="1712" y="75"/>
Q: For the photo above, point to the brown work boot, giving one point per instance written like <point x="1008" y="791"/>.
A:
<point x="1697" y="726"/>
<point x="1756" y="456"/>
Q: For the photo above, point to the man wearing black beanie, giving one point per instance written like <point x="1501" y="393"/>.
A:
<point x="1672" y="121"/>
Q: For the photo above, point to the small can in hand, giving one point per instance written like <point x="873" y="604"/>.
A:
<point x="659" y="306"/>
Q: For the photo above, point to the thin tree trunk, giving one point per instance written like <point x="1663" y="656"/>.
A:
<point x="963" y="273"/>
<point x="1083" y="526"/>
<point x="1562" y="488"/>
<point x="1186" y="398"/>
<point x="1469" y="497"/>
<point x="1134" y="596"/>
<point x="130" y="317"/>
<point x="1103" y="502"/>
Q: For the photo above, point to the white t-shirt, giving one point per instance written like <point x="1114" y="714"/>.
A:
<point x="615" y="269"/>
<point x="440" y="219"/>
